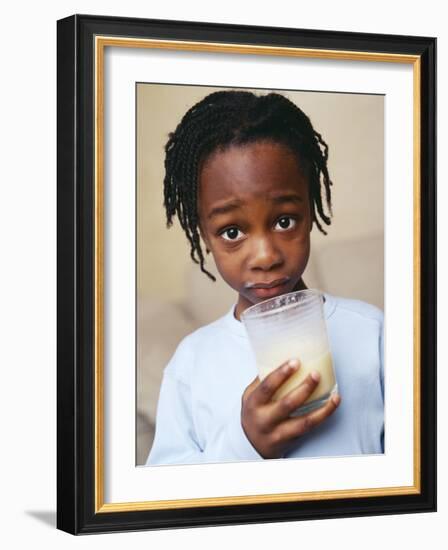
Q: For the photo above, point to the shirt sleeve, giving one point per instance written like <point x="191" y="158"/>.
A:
<point x="176" y="440"/>
<point x="382" y="377"/>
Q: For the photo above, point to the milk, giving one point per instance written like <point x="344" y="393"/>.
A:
<point x="321" y="362"/>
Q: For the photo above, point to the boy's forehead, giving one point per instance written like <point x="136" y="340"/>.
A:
<point x="252" y="170"/>
<point x="252" y="153"/>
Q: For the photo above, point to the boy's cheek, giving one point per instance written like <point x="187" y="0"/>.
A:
<point x="228" y="270"/>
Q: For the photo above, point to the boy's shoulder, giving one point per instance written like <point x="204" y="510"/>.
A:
<point x="357" y="309"/>
<point x="207" y="332"/>
<point x="201" y="338"/>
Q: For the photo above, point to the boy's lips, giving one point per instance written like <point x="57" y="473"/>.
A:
<point x="271" y="284"/>
<point x="268" y="289"/>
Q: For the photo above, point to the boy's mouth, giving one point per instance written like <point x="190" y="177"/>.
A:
<point x="268" y="289"/>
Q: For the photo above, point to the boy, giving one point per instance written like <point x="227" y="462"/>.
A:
<point x="245" y="173"/>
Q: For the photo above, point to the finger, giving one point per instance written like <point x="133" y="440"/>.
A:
<point x="296" y="397"/>
<point x="300" y="425"/>
<point x="266" y="389"/>
<point x="251" y="387"/>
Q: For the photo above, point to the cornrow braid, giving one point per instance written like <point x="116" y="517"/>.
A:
<point x="229" y="118"/>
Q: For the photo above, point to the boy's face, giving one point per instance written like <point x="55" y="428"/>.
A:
<point x="255" y="219"/>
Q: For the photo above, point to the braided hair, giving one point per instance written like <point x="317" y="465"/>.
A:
<point x="228" y="118"/>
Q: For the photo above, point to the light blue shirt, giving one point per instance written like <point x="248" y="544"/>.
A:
<point x="199" y="410"/>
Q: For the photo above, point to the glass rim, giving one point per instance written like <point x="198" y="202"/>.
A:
<point x="250" y="311"/>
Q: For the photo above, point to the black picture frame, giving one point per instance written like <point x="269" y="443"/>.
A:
<point x="79" y="504"/>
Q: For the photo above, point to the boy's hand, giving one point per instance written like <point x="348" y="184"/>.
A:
<point x="268" y="424"/>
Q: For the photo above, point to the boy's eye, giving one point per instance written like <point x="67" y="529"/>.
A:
<point x="231" y="234"/>
<point x="285" y="222"/>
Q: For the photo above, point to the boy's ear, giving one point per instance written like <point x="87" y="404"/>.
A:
<point x="311" y="215"/>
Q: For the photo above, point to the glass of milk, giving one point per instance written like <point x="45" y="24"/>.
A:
<point x="292" y="326"/>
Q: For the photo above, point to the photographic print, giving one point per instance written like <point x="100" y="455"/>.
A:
<point x="177" y="296"/>
<point x="246" y="274"/>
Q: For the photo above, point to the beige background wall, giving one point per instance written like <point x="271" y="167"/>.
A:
<point x="174" y="297"/>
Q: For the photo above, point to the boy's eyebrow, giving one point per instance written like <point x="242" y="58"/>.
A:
<point x="235" y="204"/>
<point x="287" y="198"/>
<point x="225" y="208"/>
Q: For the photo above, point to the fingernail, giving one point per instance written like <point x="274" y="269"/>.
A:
<point x="294" y="363"/>
<point x="291" y="366"/>
<point x="315" y="376"/>
<point x="336" y="399"/>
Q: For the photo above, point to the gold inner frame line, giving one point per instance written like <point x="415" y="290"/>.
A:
<point x="101" y="42"/>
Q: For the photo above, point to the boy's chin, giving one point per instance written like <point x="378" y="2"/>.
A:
<point x="253" y="296"/>
<point x="300" y="285"/>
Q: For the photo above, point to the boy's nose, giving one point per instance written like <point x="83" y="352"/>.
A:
<point x="265" y="255"/>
